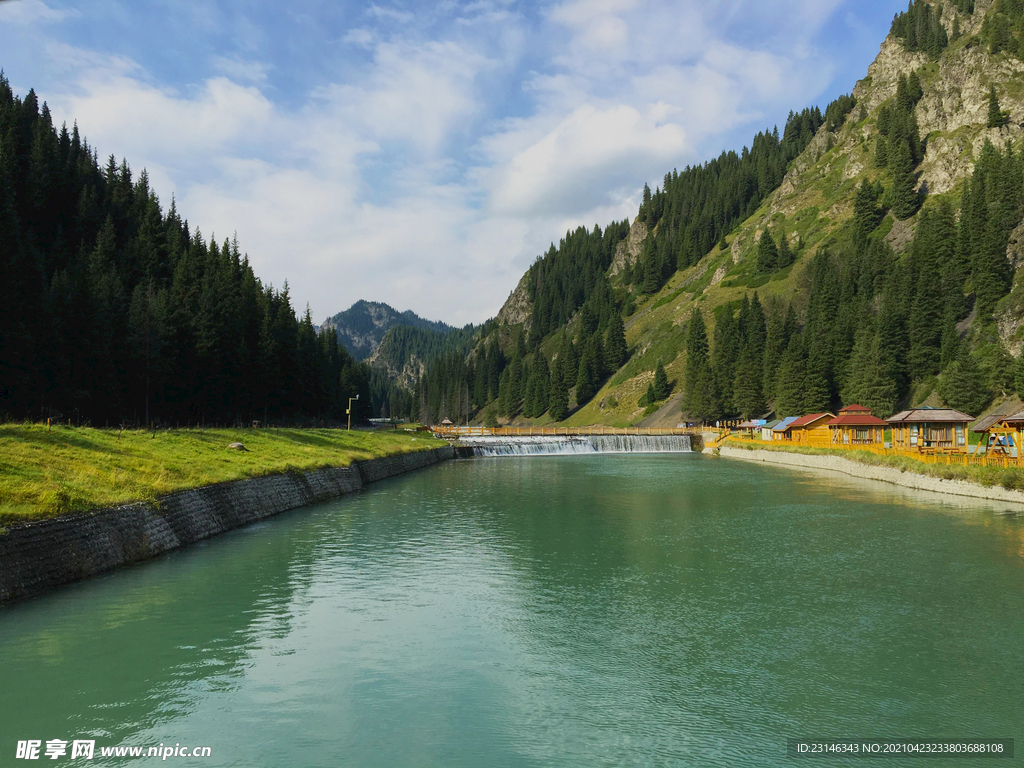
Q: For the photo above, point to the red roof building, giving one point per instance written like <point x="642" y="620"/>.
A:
<point x="812" y="428"/>
<point x="855" y="425"/>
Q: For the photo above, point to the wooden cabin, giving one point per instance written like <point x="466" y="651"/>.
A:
<point x="856" y="425"/>
<point x="930" y="430"/>
<point x="751" y="429"/>
<point x="780" y="433"/>
<point x="812" y="428"/>
<point x="767" y="429"/>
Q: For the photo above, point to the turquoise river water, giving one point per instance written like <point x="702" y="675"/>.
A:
<point x="559" y="611"/>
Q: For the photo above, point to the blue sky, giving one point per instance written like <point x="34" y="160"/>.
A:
<point x="424" y="153"/>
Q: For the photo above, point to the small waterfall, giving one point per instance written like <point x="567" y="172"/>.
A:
<point x="555" y="446"/>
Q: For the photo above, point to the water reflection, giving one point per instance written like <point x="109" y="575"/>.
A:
<point x="126" y="651"/>
<point x="577" y="611"/>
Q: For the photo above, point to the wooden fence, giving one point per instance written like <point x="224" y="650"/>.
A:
<point x="567" y="431"/>
<point x="926" y="456"/>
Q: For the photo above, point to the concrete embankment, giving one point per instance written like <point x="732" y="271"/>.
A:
<point x="41" y="555"/>
<point x="871" y="472"/>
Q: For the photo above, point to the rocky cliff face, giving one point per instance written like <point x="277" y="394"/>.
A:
<point x="518" y="309"/>
<point x="952" y="116"/>
<point x="629" y="250"/>
<point x="953" y="112"/>
<point x="816" y="198"/>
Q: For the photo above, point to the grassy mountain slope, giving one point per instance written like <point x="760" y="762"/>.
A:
<point x="814" y="206"/>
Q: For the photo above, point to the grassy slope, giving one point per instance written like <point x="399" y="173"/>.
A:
<point x="49" y="473"/>
<point x="814" y="204"/>
<point x="656" y="330"/>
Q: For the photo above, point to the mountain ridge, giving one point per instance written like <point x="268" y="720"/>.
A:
<point x="952" y="115"/>
<point x="363" y="326"/>
<point x="946" y="90"/>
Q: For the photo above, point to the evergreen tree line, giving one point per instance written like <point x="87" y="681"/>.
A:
<point x="523" y="382"/>
<point x="695" y="209"/>
<point x="773" y="253"/>
<point x="454" y="384"/>
<point x="1003" y="28"/>
<point x="116" y="311"/>
<point x="532" y="384"/>
<point x="574" y="301"/>
<point x="920" y="27"/>
<point x="404" y="345"/>
<point x="899" y="147"/>
<point x="877" y="326"/>
<point x="997" y="117"/>
<point x="837" y="111"/>
<point x="566" y="277"/>
<point x="659" y="389"/>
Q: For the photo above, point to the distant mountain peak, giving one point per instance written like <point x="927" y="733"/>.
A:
<point x="362" y="327"/>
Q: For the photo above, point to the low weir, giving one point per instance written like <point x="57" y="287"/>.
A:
<point x="567" y="445"/>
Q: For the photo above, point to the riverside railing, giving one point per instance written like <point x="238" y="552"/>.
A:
<point x="569" y="431"/>
<point x="927" y="456"/>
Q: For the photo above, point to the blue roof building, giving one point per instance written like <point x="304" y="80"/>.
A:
<point x="779" y="430"/>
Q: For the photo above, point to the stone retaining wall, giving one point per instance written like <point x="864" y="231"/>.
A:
<point x="40" y="555"/>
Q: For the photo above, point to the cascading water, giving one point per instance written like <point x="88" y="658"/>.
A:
<point x="554" y="446"/>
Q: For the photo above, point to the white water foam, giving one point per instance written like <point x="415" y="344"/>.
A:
<point x="558" y="446"/>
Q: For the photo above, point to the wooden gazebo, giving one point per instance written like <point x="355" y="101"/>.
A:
<point x="856" y="425"/>
<point x="1001" y="435"/>
<point x="930" y="430"/>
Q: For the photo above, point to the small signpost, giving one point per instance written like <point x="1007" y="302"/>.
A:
<point x="349" y="411"/>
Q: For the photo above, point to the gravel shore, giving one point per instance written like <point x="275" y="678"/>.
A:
<point x="870" y="472"/>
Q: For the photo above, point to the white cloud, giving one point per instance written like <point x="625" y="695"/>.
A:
<point x="254" y="72"/>
<point x="420" y="94"/>
<point x="72" y="61"/>
<point x="32" y="11"/>
<point x="597" y="24"/>
<point x="140" y="120"/>
<point x="291" y="183"/>
<point x="590" y="154"/>
<point x="361" y="37"/>
<point x="393" y="14"/>
<point x="410" y="176"/>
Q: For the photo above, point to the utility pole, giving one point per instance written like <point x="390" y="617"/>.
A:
<point x="349" y="411"/>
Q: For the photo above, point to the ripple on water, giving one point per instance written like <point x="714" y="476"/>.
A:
<point x="578" y="611"/>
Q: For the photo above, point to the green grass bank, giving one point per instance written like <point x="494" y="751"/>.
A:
<point x="46" y="473"/>
<point x="1011" y="479"/>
